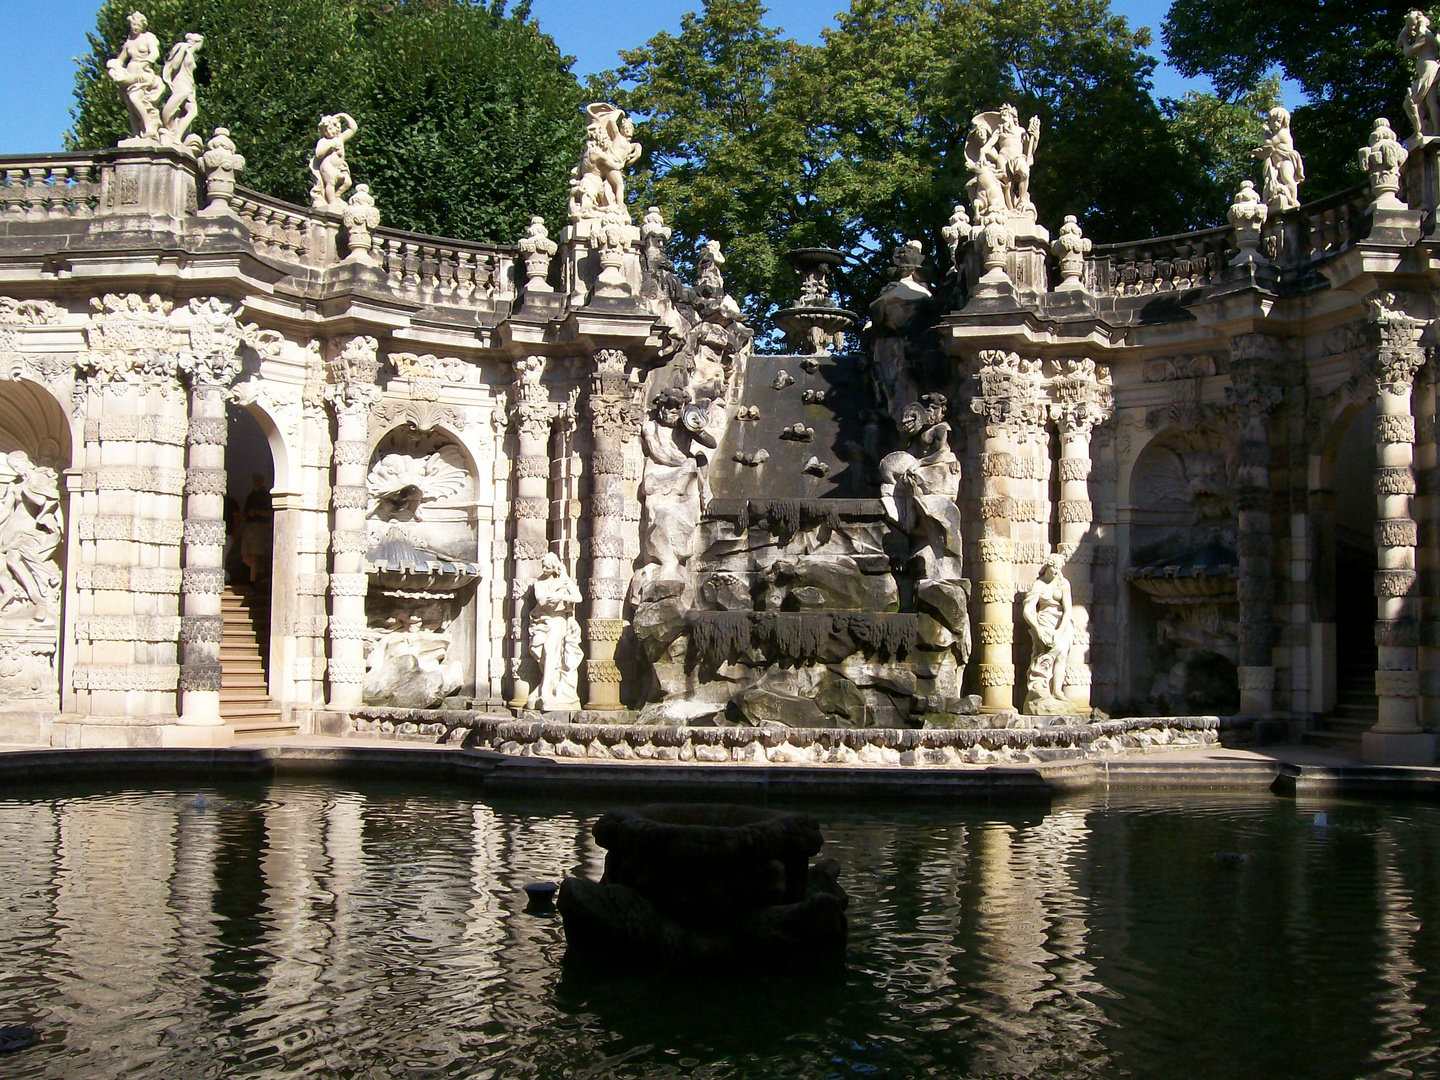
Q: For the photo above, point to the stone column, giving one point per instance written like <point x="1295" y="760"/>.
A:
<point x="1397" y="737"/>
<point x="614" y="421"/>
<point x="353" y="393"/>
<point x="533" y="418"/>
<point x="1082" y="398"/>
<point x="1253" y="394"/>
<point x="1427" y="515"/>
<point x="212" y="363"/>
<point x="1008" y="402"/>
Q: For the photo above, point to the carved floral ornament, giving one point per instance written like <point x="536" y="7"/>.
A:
<point x="16" y="317"/>
<point x="1400" y="354"/>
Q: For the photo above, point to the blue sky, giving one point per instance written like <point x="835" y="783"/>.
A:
<point x="42" y="38"/>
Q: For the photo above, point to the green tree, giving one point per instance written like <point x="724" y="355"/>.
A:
<point x="469" y="116"/>
<point x="1218" y="135"/>
<point x="1342" y="55"/>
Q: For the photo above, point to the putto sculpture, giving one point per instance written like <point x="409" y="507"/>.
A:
<point x="1422" y="104"/>
<point x="328" y="165"/>
<point x="1283" y="169"/>
<point x="597" y="184"/>
<point x="133" y="70"/>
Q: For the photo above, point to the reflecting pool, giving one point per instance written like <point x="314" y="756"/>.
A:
<point x="366" y="932"/>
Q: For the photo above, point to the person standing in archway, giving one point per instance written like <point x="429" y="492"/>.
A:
<point x="257" y="537"/>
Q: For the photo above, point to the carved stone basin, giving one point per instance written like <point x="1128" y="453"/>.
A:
<point x="399" y="568"/>
<point x="1186" y="584"/>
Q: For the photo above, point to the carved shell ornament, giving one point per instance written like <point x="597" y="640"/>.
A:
<point x="402" y="486"/>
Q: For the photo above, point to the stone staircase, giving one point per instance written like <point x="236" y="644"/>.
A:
<point x="1356" y="707"/>
<point x="244" y="697"/>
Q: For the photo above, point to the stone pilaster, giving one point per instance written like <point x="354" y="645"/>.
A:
<point x="533" y="419"/>
<point x="1008" y="403"/>
<point x="353" y="393"/>
<point x="614" y="421"/>
<point x="312" y="581"/>
<point x="212" y="362"/>
<point x="1253" y="394"/>
<point x="1397" y="736"/>
<point x="1081" y="399"/>
<point x="1427" y="554"/>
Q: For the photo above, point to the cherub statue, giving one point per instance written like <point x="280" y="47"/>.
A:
<point x="1422" y="104"/>
<point x="181" y="106"/>
<point x="597" y="184"/>
<point x="1000" y="153"/>
<point x="134" y="72"/>
<point x="1283" y="169"/>
<point x="328" y="165"/>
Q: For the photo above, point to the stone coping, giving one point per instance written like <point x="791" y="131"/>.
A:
<point x="905" y="747"/>
<point x="502" y="776"/>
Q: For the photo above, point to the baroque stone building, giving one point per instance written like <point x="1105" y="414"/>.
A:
<point x="1191" y="474"/>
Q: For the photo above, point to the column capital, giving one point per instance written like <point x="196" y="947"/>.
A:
<point x="1010" y="397"/>
<point x="1081" y="395"/>
<point x="1399" y="355"/>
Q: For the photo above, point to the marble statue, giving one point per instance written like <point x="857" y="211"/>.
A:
<point x="328" y="165"/>
<point x="999" y="154"/>
<point x="1422" y="103"/>
<point x="555" y="638"/>
<point x="406" y="665"/>
<point x="919" y="487"/>
<point x="30" y="535"/>
<point x="134" y="72"/>
<point x="675" y="489"/>
<point x="597" y="184"/>
<point x="1047" y="614"/>
<point x="1283" y="169"/>
<point x="181" y="106"/>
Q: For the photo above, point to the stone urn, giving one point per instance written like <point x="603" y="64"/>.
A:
<point x="707" y="885"/>
<point x="816" y="325"/>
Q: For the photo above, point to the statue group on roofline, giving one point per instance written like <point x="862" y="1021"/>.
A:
<point x="597" y="184"/>
<point x="152" y="124"/>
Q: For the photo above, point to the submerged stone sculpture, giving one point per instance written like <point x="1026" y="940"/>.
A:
<point x="1283" y="169"/>
<point x="707" y="885"/>
<point x="597" y="184"/>
<point x="555" y="638"/>
<point x="328" y="165"/>
<point x="1047" y="614"/>
<point x="1422" y="104"/>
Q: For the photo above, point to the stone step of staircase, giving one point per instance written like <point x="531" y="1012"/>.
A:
<point x="244" y="690"/>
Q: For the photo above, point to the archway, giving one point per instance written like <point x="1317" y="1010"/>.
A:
<point x="35" y="447"/>
<point x="1347" y="592"/>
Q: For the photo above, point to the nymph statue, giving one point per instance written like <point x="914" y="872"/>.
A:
<point x="597" y="184"/>
<point x="1047" y="613"/>
<point x="181" y="106"/>
<point x="30" y="534"/>
<point x="1422" y="104"/>
<point x="134" y="72"/>
<point x="675" y="489"/>
<point x="1283" y="169"/>
<point x="999" y="154"/>
<point x="555" y="638"/>
<point x="328" y="165"/>
<point x="919" y="486"/>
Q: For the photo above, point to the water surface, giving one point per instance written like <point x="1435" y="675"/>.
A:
<point x="366" y="932"/>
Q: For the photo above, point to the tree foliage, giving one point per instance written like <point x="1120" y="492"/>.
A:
<point x="766" y="144"/>
<point x="1343" y="55"/>
<point x="469" y="116"/>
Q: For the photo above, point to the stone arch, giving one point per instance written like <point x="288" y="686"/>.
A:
<point x="36" y="446"/>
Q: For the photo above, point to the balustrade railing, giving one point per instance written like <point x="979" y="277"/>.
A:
<point x="286" y="232"/>
<point x="440" y="271"/>
<point x="1163" y="264"/>
<point x="54" y="187"/>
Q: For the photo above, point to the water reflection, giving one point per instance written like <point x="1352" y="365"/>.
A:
<point x="370" y="932"/>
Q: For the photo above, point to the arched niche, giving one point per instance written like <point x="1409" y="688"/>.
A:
<point x="421" y="535"/>
<point x="1183" y="633"/>
<point x="35" y="448"/>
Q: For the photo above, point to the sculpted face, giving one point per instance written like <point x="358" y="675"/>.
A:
<point x="550" y="565"/>
<point x="138" y="23"/>
<point x="329" y="127"/>
<point x="912" y="419"/>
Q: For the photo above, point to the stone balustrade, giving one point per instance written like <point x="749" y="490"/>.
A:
<point x="52" y="187"/>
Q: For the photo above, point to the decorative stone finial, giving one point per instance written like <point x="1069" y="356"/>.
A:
<point x="328" y="165"/>
<point x="133" y="70"/>
<point x="360" y="216"/>
<point x="1247" y="215"/>
<point x="1071" y="247"/>
<point x="538" y="249"/>
<point x="999" y="154"/>
<point x="220" y="163"/>
<point x="612" y="238"/>
<point x="1382" y="159"/>
<point x="957" y="234"/>
<point x="1283" y="169"/>
<point x="597" y="184"/>
<point x="1422" y="103"/>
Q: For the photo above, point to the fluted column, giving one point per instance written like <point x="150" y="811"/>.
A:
<point x="352" y="394"/>
<point x="614" y="421"/>
<point x="1082" y="399"/>
<point x="1253" y="395"/>
<point x="1397" y="736"/>
<point x="212" y="364"/>
<point x="533" y="418"/>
